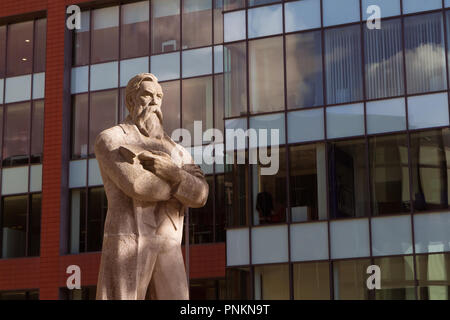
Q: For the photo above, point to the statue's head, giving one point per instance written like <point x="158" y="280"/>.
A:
<point x="143" y="96"/>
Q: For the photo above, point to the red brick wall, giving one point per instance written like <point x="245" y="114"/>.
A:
<point x="48" y="272"/>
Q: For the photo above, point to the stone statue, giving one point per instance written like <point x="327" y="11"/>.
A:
<point x="149" y="180"/>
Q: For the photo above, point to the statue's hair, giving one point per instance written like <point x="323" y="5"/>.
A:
<point x="133" y="87"/>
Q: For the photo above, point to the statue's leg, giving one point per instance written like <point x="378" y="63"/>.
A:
<point x="169" y="276"/>
<point x="147" y="255"/>
<point x="117" y="276"/>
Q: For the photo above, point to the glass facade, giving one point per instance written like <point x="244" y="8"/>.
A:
<point x="22" y="86"/>
<point x="180" y="41"/>
<point x="363" y="116"/>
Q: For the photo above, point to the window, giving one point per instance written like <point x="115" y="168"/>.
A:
<point x="347" y="169"/>
<point x="201" y="220"/>
<point x="384" y="60"/>
<point x="19" y="295"/>
<point x="238" y="284"/>
<point x="433" y="274"/>
<point x="266" y="75"/>
<point x="233" y="4"/>
<point x="302" y="15"/>
<point x="271" y="282"/>
<point x="350" y="279"/>
<point x="20" y="49"/>
<point x="17" y="134"/>
<point x="85" y="293"/>
<point x="430" y="169"/>
<point x="307" y="176"/>
<point x="165" y="25"/>
<point x="21" y="225"/>
<point x="197" y="23"/>
<point x="197" y="102"/>
<point x="86" y="226"/>
<point x="207" y="289"/>
<point x="425" y="60"/>
<point x="304" y="70"/>
<point x="134" y="30"/>
<point x="343" y="64"/>
<point x="97" y="208"/>
<point x="80" y="105"/>
<point x="171" y="106"/>
<point x="388" y="156"/>
<point x="103" y="113"/>
<point x="236" y="191"/>
<point x="397" y="278"/>
<point x="235" y="79"/>
<point x="81" y="41"/>
<point x="264" y="21"/>
<point x="105" y="35"/>
<point x="311" y="281"/>
<point x="269" y="191"/>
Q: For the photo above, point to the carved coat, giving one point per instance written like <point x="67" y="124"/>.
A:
<point x="145" y="216"/>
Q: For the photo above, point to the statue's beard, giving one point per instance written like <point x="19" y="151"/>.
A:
<point x="147" y="119"/>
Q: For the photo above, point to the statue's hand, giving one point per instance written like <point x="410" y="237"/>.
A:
<point x="194" y="170"/>
<point x="161" y="164"/>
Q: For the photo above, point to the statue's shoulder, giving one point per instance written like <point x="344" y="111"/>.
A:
<point x="111" y="135"/>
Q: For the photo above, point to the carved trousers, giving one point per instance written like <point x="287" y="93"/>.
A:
<point x="141" y="267"/>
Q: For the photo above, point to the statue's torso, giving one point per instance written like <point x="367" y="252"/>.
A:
<point x="164" y="218"/>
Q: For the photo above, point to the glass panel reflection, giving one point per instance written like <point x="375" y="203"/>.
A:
<point x="17" y="134"/>
<point x="272" y="282"/>
<point x="79" y="125"/>
<point x="269" y="191"/>
<point x="103" y="114"/>
<point x="384" y="60"/>
<point x="197" y="101"/>
<point x="433" y="274"/>
<point x="265" y="21"/>
<point x="308" y="182"/>
<point x="350" y="279"/>
<point x="201" y="219"/>
<point x="171" y="106"/>
<point x="425" y="59"/>
<point x="105" y="35"/>
<point x="235" y="79"/>
<point x="304" y="70"/>
<point x="165" y="25"/>
<point x="134" y="30"/>
<point x="312" y="281"/>
<point x="343" y="64"/>
<point x="430" y="163"/>
<point x="236" y="191"/>
<point x="81" y="41"/>
<point x="389" y="174"/>
<point x="14" y="226"/>
<point x="197" y="27"/>
<point x="97" y="208"/>
<point x="238" y="283"/>
<point x="397" y="278"/>
<point x="20" y="49"/>
<point x="349" y="195"/>
<point x="266" y="75"/>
